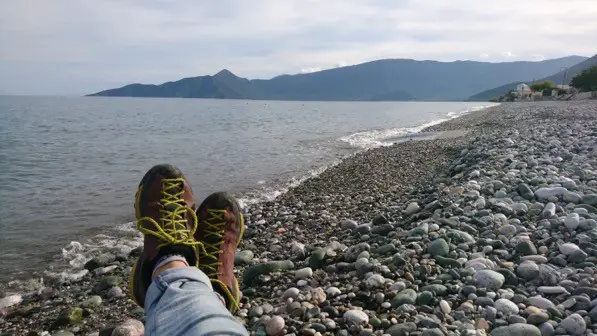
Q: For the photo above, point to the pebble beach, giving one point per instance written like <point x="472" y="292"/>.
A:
<point x="488" y="229"/>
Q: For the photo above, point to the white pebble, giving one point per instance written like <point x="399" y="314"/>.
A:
<point x="569" y="248"/>
<point x="292" y="292"/>
<point x="332" y="291"/>
<point x="274" y="326"/>
<point x="304" y="273"/>
<point x="445" y="307"/>
<point x="10" y="301"/>
<point x="357" y="317"/>
<point x="572" y="221"/>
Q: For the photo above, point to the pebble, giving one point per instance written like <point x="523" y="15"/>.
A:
<point x="445" y="307"/>
<point x="304" y="273"/>
<point x="439" y="247"/>
<point x="318" y="295"/>
<point x="129" y="327"/>
<point x="348" y="224"/>
<point x="506" y="307"/>
<point x="402" y="329"/>
<point x="333" y="291"/>
<point x="546" y="193"/>
<point x="412" y="208"/>
<point x="9" y="301"/>
<point x="292" y="292"/>
<point x="572" y="221"/>
<point x="274" y="326"/>
<point x="518" y="329"/>
<point x="546" y="329"/>
<point x="114" y="292"/>
<point x="540" y="302"/>
<point x="407" y="296"/>
<point x="489" y="279"/>
<point x="538" y="318"/>
<point x="528" y="270"/>
<point x="357" y="317"/>
<point x="375" y="281"/>
<point x="568" y="248"/>
<point x="574" y="324"/>
<point x="552" y="289"/>
<point x="93" y="301"/>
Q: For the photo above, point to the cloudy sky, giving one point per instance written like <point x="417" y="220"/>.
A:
<point x="81" y="46"/>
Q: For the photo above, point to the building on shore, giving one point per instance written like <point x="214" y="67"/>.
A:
<point x="523" y="89"/>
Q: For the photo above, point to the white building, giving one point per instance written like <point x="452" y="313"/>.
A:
<point x="523" y="89"/>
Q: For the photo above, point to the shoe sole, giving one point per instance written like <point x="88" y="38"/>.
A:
<point x="132" y="283"/>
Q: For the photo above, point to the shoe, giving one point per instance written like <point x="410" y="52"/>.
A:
<point x="220" y="230"/>
<point x="164" y="206"/>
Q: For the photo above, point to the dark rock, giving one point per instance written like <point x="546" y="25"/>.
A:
<point x="407" y="296"/>
<point x="437" y="289"/>
<point x="510" y="278"/>
<point x="106" y="283"/>
<point x="243" y="257"/>
<point x="254" y="271"/>
<point x="577" y="256"/>
<point x="69" y="316"/>
<point x="382" y="229"/>
<point x="380" y="219"/>
<point x="525" y="191"/>
<point x="402" y="329"/>
<point x="525" y="247"/>
<point x="439" y="247"/>
<point x="99" y="261"/>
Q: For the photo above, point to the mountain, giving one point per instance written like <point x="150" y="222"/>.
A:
<point x="388" y="79"/>
<point x="224" y="84"/>
<point x="562" y="76"/>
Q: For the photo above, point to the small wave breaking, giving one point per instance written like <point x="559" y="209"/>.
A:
<point x="380" y="138"/>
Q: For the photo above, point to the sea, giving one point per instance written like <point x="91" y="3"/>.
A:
<point x="69" y="166"/>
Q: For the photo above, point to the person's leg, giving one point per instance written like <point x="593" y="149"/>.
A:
<point x="178" y="298"/>
<point x="181" y="302"/>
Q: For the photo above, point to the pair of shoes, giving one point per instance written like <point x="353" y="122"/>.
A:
<point x="206" y="237"/>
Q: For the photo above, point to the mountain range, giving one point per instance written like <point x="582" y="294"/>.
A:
<point x="561" y="77"/>
<point x="381" y="80"/>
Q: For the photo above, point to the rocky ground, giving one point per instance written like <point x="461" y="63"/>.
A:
<point x="491" y="233"/>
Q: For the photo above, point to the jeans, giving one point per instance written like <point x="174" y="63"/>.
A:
<point x="181" y="301"/>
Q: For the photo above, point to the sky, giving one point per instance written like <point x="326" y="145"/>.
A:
<point x="74" y="47"/>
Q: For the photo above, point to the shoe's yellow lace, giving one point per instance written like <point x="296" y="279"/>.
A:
<point x="214" y="231"/>
<point x="172" y="228"/>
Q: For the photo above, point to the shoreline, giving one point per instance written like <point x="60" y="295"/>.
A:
<point x="68" y="259"/>
<point x="382" y="243"/>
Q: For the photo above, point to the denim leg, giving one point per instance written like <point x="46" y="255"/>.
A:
<point x="181" y="302"/>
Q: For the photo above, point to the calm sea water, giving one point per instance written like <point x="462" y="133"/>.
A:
<point x="69" y="166"/>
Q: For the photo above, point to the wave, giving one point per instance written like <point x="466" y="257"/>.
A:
<point x="121" y="239"/>
<point x="379" y="138"/>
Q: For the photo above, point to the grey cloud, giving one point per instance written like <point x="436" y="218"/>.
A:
<point x="88" y="45"/>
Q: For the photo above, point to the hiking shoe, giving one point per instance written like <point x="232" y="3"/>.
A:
<point x="164" y="210"/>
<point x="220" y="230"/>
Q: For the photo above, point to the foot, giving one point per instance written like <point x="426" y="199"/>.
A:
<point x="220" y="230"/>
<point x="164" y="210"/>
